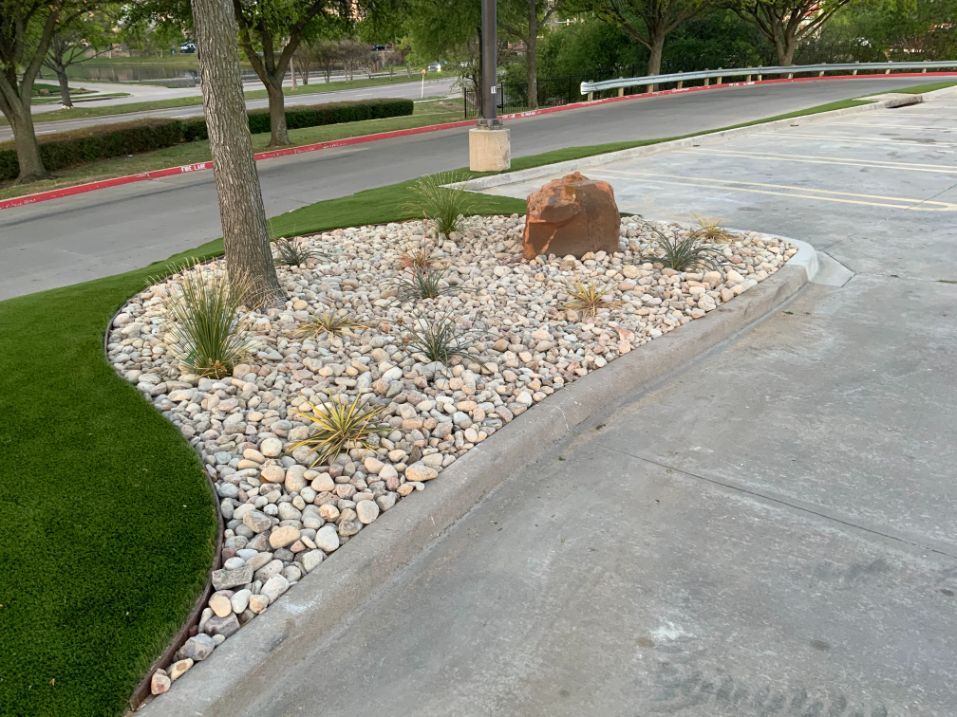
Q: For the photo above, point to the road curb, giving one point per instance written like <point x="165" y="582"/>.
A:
<point x="75" y="189"/>
<point x="256" y="657"/>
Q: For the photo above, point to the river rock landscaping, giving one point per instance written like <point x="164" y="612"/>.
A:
<point x="519" y="330"/>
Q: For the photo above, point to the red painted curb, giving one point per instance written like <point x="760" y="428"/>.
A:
<point x="375" y="137"/>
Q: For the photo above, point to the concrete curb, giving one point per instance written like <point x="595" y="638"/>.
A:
<point x="253" y="659"/>
<point x="572" y="165"/>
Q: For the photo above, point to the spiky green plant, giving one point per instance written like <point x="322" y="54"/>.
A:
<point x="422" y="284"/>
<point x="442" y="204"/>
<point x="712" y="231"/>
<point x="681" y="251"/>
<point x="439" y="338"/>
<point x="208" y="337"/>
<point x="340" y="425"/>
<point x="333" y="323"/>
<point x="588" y="298"/>
<point x="293" y="252"/>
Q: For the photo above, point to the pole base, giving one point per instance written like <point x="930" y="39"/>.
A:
<point x="490" y="149"/>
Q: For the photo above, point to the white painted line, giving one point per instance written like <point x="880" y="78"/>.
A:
<point x="841" y="161"/>
<point x="857" y="139"/>
<point x="785" y="190"/>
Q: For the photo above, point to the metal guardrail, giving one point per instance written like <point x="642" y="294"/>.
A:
<point x="749" y="73"/>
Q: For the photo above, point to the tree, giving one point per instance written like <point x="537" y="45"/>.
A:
<point x="27" y="28"/>
<point x="89" y="35"/>
<point x="787" y="22"/>
<point x="524" y="20"/>
<point x="249" y="259"/>
<point x="270" y="32"/>
<point x="880" y="30"/>
<point x="648" y="22"/>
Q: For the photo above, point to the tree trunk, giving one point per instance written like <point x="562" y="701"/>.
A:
<point x="531" y="55"/>
<point x="245" y="236"/>
<point x="278" y="133"/>
<point x="785" y="51"/>
<point x="25" y="143"/>
<point x="656" y="50"/>
<point x="65" y="98"/>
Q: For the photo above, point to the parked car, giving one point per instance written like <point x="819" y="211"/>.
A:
<point x="187" y="48"/>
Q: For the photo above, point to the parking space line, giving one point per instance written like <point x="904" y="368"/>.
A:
<point x="841" y="161"/>
<point x="892" y="126"/>
<point x="785" y="190"/>
<point x="873" y="140"/>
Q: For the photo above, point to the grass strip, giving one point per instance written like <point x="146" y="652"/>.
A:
<point x="110" y="526"/>
<point x="197" y="100"/>
<point x="928" y="87"/>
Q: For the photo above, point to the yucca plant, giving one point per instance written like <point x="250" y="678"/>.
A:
<point x="416" y="259"/>
<point x="293" y="252"/>
<point x="444" y="205"/>
<point x="682" y="251"/>
<point x="588" y="298"/>
<point x="438" y="338"/>
<point x="208" y="337"/>
<point x="333" y="323"/>
<point x="340" y="425"/>
<point x="422" y="284"/>
<point x="711" y="230"/>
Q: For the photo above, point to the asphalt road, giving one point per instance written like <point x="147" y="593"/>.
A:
<point x="105" y="232"/>
<point x="408" y="90"/>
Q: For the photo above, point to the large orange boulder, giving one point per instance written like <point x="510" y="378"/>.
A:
<point x="572" y="215"/>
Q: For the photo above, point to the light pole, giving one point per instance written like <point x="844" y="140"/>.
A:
<point x="489" y="66"/>
<point x="489" y="146"/>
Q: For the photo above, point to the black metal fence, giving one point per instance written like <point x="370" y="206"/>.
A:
<point x="513" y="94"/>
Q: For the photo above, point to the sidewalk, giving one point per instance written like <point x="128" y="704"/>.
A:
<point x="771" y="532"/>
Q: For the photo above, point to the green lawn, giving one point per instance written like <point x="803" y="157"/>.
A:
<point x="929" y="87"/>
<point x="109" y="524"/>
<point x="426" y="113"/>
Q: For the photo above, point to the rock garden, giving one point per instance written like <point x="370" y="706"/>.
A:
<point x="401" y="347"/>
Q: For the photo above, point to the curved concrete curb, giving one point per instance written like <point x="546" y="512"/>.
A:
<point x="253" y="659"/>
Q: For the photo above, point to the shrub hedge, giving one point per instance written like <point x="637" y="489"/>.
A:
<point x="69" y="149"/>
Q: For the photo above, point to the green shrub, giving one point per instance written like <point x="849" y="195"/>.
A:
<point x="444" y="205"/>
<point x="439" y="339"/>
<point x="422" y="283"/>
<point x="681" y="251"/>
<point x="69" y="149"/>
<point x="207" y="336"/>
<point x="340" y="425"/>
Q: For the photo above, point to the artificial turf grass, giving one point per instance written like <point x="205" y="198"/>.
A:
<point x="112" y="526"/>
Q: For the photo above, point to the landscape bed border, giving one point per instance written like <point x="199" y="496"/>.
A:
<point x="246" y="661"/>
<point x="76" y="189"/>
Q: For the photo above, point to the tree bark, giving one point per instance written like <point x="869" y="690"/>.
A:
<point x="656" y="49"/>
<point x="26" y="145"/>
<point x="278" y="132"/>
<point x="785" y="51"/>
<point x="65" y="99"/>
<point x="245" y="235"/>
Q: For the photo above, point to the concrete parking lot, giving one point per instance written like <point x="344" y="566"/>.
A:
<point x="772" y="532"/>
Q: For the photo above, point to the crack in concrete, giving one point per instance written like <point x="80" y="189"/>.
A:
<point x="782" y="501"/>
